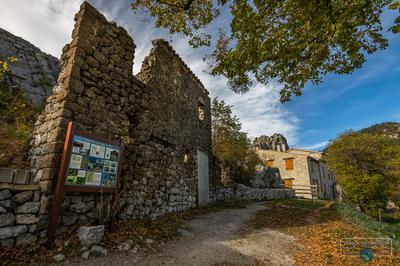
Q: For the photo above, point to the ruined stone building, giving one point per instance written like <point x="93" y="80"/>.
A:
<point x="162" y="115"/>
<point x="298" y="168"/>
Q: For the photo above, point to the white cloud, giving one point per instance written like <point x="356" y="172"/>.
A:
<point x="317" y="146"/>
<point x="48" y="25"/>
<point x="45" y="23"/>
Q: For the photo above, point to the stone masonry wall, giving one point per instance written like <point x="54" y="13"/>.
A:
<point x="167" y="133"/>
<point x="95" y="89"/>
<point x="239" y="191"/>
<point x="19" y="212"/>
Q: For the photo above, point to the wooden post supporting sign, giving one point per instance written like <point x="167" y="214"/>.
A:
<point x="89" y="164"/>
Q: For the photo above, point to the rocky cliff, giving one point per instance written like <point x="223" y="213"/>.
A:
<point x="35" y="72"/>
<point x="275" y="142"/>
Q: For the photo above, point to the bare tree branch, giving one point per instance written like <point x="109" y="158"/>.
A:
<point x="186" y="6"/>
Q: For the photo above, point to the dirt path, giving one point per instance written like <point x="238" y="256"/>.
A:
<point x="219" y="238"/>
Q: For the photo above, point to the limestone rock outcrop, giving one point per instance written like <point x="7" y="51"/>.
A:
<point x="35" y="72"/>
<point x="275" y="142"/>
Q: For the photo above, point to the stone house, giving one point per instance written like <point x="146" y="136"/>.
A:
<point x="301" y="168"/>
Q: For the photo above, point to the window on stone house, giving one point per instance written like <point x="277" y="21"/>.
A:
<point x="289" y="164"/>
<point x="270" y="163"/>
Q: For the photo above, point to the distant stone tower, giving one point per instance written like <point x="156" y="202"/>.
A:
<point x="275" y="142"/>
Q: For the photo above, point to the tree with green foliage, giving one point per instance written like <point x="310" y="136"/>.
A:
<point x="229" y="144"/>
<point x="290" y="41"/>
<point x="367" y="166"/>
<point x="17" y="117"/>
<point x="395" y="5"/>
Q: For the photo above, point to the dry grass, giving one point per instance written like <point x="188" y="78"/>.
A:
<point x="317" y="230"/>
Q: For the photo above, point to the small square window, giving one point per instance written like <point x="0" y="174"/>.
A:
<point x="289" y="164"/>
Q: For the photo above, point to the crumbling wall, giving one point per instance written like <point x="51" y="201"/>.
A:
<point x="95" y="89"/>
<point x="242" y="192"/>
<point x="168" y="132"/>
<point x="163" y="116"/>
<point x="266" y="177"/>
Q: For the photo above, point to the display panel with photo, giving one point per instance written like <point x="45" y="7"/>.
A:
<point x="112" y="154"/>
<point x="80" y="146"/>
<point x="97" y="151"/>
<point x="93" y="178"/>
<point x="108" y="180"/>
<point x="76" y="177"/>
<point x="76" y="161"/>
<point x="110" y="167"/>
<point x="95" y="164"/>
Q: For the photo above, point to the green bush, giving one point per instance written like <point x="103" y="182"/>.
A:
<point x="17" y="118"/>
<point x="367" y="167"/>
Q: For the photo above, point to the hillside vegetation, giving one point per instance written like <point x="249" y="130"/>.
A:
<point x="17" y="118"/>
<point x="390" y="129"/>
<point x="367" y="168"/>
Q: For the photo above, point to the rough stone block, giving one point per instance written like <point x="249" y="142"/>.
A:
<point x="12" y="231"/>
<point x="44" y="204"/>
<point x="5" y="194"/>
<point x="6" y="175"/>
<point x="28" y="207"/>
<point x="7" y="203"/>
<point x="69" y="219"/>
<point x="23" y="196"/>
<point x="90" y="235"/>
<point x="83" y="207"/>
<point x="25" y="240"/>
<point x="36" y="196"/>
<point x="26" y="218"/>
<point x="6" y="219"/>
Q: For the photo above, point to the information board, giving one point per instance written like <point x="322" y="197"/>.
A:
<point x="89" y="164"/>
<point x="92" y="163"/>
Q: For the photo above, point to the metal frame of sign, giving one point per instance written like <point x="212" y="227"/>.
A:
<point x="62" y="187"/>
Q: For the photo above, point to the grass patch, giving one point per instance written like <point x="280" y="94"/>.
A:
<point x="318" y="230"/>
<point x="302" y="203"/>
<point x="371" y="225"/>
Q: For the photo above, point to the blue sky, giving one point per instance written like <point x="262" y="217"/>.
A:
<point x="370" y="95"/>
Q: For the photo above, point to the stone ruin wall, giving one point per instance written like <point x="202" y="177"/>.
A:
<point x="156" y="113"/>
<point x="168" y="130"/>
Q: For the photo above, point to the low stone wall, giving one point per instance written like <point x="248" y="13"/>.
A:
<point x="239" y="191"/>
<point x="20" y="217"/>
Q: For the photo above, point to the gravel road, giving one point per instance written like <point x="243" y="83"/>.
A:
<point x="220" y="238"/>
